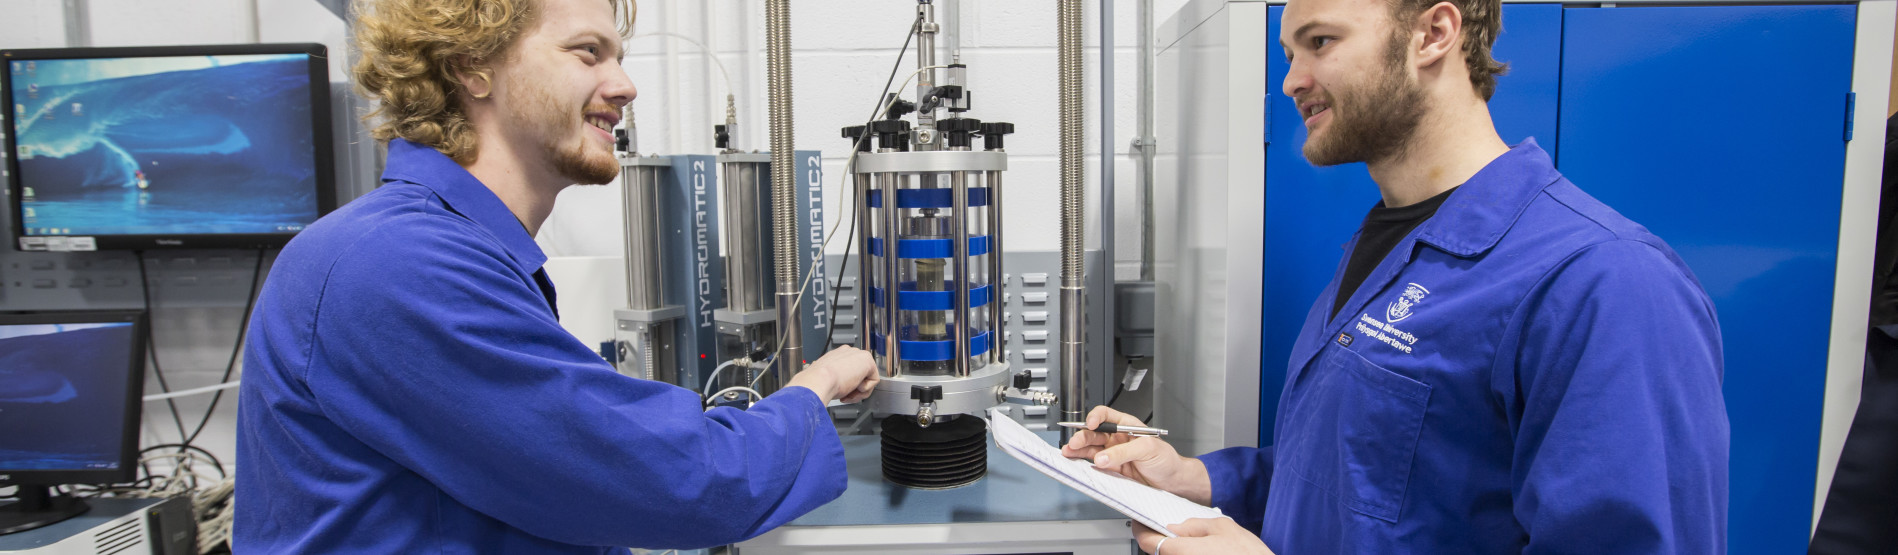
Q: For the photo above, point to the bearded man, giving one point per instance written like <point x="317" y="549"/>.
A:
<point x="408" y="387"/>
<point x="1502" y="364"/>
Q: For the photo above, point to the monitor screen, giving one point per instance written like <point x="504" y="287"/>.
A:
<point x="224" y="146"/>
<point x="69" y="396"/>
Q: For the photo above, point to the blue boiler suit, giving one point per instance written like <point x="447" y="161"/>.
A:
<point x="1526" y="372"/>
<point x="408" y="389"/>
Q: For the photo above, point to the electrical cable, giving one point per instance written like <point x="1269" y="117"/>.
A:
<point x="191" y="392"/>
<point x="151" y="340"/>
<point x="713" y="378"/>
<point x="237" y="350"/>
<point x="864" y="135"/>
<point x="702" y="49"/>
<point x="885" y="100"/>
<point x="754" y="393"/>
<point x="221" y="471"/>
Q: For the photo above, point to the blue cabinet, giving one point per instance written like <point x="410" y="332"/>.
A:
<point x="1721" y="128"/>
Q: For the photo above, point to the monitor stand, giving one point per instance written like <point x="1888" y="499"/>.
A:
<point x="38" y="507"/>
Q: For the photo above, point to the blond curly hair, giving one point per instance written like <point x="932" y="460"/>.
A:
<point x="411" y="52"/>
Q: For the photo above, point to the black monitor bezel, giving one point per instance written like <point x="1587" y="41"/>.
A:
<point x="134" y="399"/>
<point x="321" y="126"/>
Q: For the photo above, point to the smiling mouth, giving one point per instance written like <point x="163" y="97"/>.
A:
<point x="1313" y="110"/>
<point x="600" y="122"/>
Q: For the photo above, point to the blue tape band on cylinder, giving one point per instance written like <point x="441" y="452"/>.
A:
<point x="931" y="198"/>
<point x="908" y="299"/>
<point x="930" y="248"/>
<point x="933" y="351"/>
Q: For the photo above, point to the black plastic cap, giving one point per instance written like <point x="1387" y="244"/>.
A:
<point x="960" y="132"/>
<point x="899" y="109"/>
<point x="1023" y="378"/>
<point x="620" y="140"/>
<point x="721" y="138"/>
<point x="891" y="134"/>
<point x="992" y="133"/>
<point x="856" y="134"/>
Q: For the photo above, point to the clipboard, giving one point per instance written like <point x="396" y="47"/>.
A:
<point x="1155" y="508"/>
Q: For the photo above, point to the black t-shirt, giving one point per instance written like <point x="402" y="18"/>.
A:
<point x="1383" y="228"/>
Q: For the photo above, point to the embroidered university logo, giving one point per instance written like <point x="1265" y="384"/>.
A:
<point x="1400" y="309"/>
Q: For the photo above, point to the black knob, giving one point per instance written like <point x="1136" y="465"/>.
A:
<point x="959" y="125"/>
<point x="925" y="394"/>
<point x="621" y="141"/>
<point x="721" y="137"/>
<point x="891" y="134"/>
<point x="992" y="133"/>
<point x="1022" y="380"/>
<point x="857" y="136"/>
<point x="960" y="132"/>
<point x="899" y="108"/>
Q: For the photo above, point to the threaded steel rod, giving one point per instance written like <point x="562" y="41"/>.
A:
<point x="783" y="185"/>
<point x="1073" y="200"/>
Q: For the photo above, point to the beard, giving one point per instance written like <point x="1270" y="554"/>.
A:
<point x="582" y="162"/>
<point x="1374" y="123"/>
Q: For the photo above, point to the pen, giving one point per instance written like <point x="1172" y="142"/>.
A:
<point x="1111" y="428"/>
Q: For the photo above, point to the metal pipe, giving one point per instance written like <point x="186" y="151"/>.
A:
<point x="1073" y="200"/>
<point x="961" y="330"/>
<point x="784" y="184"/>
<point x="926" y="57"/>
<point x="79" y="23"/>
<point x="639" y="188"/>
<point x="1144" y="140"/>
<point x="999" y="340"/>
<point x="746" y="280"/>
<point x="866" y="317"/>
<point x="952" y="28"/>
<point x="1104" y="301"/>
<point x="892" y="276"/>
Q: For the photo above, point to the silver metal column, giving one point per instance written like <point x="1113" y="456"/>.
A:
<point x="959" y="333"/>
<point x="784" y="186"/>
<point x="1073" y="201"/>
<point x="640" y="199"/>
<point x="866" y="273"/>
<point x="999" y="352"/>
<point x="892" y="276"/>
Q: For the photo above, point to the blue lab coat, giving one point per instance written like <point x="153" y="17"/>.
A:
<point x="1526" y="372"/>
<point x="408" y="389"/>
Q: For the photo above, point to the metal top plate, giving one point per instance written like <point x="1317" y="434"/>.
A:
<point x="931" y="161"/>
<point x="761" y="157"/>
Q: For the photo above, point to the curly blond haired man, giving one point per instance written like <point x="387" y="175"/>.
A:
<point x="408" y="387"/>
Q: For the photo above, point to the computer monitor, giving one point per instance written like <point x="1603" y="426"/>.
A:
<point x="70" y="390"/>
<point x="222" y="146"/>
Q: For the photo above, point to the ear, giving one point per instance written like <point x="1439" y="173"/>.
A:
<point x="474" y="77"/>
<point x="1441" y="27"/>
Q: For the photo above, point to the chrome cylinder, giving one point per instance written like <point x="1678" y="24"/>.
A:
<point x="963" y="331"/>
<point x="936" y="281"/>
<point x="890" y="278"/>
<point x="996" y="283"/>
<point x="747" y="238"/>
<point x="639" y="197"/>
<point x="866" y="267"/>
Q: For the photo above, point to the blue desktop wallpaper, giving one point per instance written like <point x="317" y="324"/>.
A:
<point x="62" y="395"/>
<point x="164" y="145"/>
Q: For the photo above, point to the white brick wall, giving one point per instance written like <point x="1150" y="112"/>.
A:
<point x="843" y="52"/>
